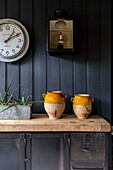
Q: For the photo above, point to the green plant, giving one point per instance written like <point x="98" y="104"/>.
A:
<point x="21" y="101"/>
<point x="4" y="98"/>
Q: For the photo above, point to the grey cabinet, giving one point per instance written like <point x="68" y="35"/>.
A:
<point x="88" y="151"/>
<point x="55" y="151"/>
<point x="47" y="151"/>
<point x="88" y="169"/>
<point x="12" y="151"/>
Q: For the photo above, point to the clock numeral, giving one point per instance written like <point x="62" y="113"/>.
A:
<point x="13" y="51"/>
<point x="1" y="50"/>
<point x="17" y="46"/>
<point x="7" y="52"/>
<point x="19" y="40"/>
<point x="1" y="29"/>
<point x="7" y="27"/>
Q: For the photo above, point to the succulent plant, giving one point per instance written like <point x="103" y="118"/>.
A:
<point x="22" y="101"/>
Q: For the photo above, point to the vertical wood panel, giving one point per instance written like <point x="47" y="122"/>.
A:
<point x="13" y="69"/>
<point x="87" y="71"/>
<point x="80" y="70"/>
<point x="93" y="52"/>
<point x="66" y="71"/>
<point x="105" y="64"/>
<point x="26" y="62"/>
<point x="39" y="21"/>
<point x="2" y="65"/>
<point x="52" y="61"/>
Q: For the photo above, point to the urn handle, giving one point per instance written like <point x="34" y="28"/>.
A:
<point x="44" y="95"/>
<point x="92" y="99"/>
<point x="71" y="99"/>
<point x="65" y="95"/>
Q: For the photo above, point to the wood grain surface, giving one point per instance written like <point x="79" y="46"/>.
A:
<point x="68" y="122"/>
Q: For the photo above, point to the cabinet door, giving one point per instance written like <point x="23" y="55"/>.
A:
<point x="89" y="169"/>
<point x="87" y="151"/>
<point x="11" y="151"/>
<point x="47" y="151"/>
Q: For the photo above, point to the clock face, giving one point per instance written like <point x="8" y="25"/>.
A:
<point x="14" y="40"/>
<point x="11" y="40"/>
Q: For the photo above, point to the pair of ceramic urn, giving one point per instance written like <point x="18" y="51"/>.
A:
<point x="54" y="104"/>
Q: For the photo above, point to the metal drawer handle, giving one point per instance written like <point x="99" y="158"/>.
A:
<point x="84" y="150"/>
<point x="27" y="159"/>
<point x="73" y="168"/>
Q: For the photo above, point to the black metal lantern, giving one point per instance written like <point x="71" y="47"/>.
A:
<point x="60" y="33"/>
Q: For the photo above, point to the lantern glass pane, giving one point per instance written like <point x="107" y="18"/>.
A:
<point x="64" y="27"/>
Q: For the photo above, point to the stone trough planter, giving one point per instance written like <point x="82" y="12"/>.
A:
<point x="16" y="112"/>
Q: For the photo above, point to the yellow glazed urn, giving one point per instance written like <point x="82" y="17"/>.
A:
<point x="54" y="103"/>
<point x="82" y="105"/>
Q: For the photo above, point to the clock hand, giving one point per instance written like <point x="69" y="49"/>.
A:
<point x="10" y="36"/>
<point x="15" y="35"/>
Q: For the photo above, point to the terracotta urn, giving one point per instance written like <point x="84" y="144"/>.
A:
<point x="54" y="103"/>
<point x="82" y="105"/>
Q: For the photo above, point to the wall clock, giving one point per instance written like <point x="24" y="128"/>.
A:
<point x="14" y="40"/>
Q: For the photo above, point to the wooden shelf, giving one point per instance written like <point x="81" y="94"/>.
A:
<point x="42" y="123"/>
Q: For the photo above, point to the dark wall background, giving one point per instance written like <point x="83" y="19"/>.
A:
<point x="87" y="71"/>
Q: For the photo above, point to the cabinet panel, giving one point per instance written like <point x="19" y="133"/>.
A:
<point x="87" y="150"/>
<point x="88" y="169"/>
<point x="47" y="152"/>
<point x="11" y="152"/>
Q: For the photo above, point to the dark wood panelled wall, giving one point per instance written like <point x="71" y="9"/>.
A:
<point x="86" y="71"/>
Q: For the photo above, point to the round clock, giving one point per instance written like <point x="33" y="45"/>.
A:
<point x="14" y="40"/>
